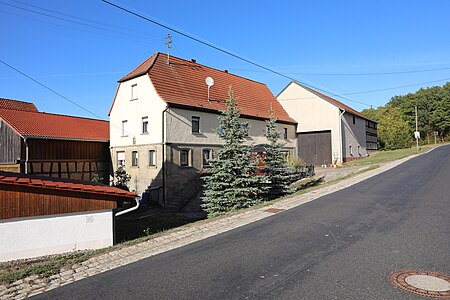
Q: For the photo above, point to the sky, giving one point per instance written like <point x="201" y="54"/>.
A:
<point x="68" y="55"/>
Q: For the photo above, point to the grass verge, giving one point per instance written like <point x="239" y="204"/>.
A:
<point x="386" y="156"/>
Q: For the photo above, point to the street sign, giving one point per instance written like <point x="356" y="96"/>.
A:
<point x="417" y="135"/>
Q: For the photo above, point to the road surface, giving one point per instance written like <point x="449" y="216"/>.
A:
<point x="341" y="246"/>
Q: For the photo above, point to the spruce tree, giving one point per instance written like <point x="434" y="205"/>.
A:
<point x="279" y="173"/>
<point x="232" y="183"/>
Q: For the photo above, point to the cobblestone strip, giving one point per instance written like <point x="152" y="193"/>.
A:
<point x="34" y="285"/>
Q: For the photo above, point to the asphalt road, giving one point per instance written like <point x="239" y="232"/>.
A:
<point x="341" y="246"/>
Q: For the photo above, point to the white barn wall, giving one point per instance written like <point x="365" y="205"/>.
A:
<point x="312" y="114"/>
<point x="55" y="234"/>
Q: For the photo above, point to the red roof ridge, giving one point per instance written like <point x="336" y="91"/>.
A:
<point x="141" y="69"/>
<point x="75" y="117"/>
<point x="181" y="83"/>
<point x="20" y="105"/>
<point x="57" y="126"/>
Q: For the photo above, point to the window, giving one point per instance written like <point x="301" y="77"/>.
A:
<point x="195" y="124"/>
<point x="152" y="158"/>
<point x="207" y="156"/>
<point x="134" y="91"/>
<point x="285" y="133"/>
<point x="124" y="128"/>
<point x="359" y="150"/>
<point x="145" y="125"/>
<point x="121" y="158"/>
<point x="185" y="157"/>
<point x="134" y="158"/>
<point x="354" y="119"/>
<point x="350" y="150"/>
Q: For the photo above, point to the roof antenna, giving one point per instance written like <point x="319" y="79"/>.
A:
<point x="209" y="82"/>
<point x="169" y="46"/>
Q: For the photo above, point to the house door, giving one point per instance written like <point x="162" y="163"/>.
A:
<point x="315" y="147"/>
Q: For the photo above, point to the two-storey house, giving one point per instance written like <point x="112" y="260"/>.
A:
<point x="164" y="117"/>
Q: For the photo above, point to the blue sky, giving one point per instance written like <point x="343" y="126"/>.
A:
<point x="81" y="48"/>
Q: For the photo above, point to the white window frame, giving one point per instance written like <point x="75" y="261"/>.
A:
<point x="134" y="91"/>
<point x="152" y="158"/>
<point x="144" y="125"/>
<point x="188" y="158"/>
<point x="134" y="158"/>
<point x="125" y="128"/>
<point x="120" y="158"/>
<point x="210" y="156"/>
<point x="195" y="119"/>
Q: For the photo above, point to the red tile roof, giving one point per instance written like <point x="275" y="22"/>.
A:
<point x="17" y="105"/>
<point x="334" y="101"/>
<point x="44" y="125"/>
<point x="182" y="83"/>
<point x="8" y="178"/>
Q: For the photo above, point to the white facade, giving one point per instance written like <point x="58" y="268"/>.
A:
<point x="55" y="234"/>
<point x="169" y="138"/>
<point x="314" y="114"/>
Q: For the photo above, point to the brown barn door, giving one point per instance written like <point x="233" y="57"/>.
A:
<point x="315" y="147"/>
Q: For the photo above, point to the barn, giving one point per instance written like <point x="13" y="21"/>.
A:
<point x="33" y="142"/>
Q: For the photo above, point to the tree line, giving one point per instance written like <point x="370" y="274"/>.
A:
<point x="397" y="123"/>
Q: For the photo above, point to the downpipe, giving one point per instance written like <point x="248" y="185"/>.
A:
<point x="138" y="203"/>
<point x="341" y="150"/>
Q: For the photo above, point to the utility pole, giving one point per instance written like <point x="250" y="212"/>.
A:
<point x="169" y="46"/>
<point x="416" y="134"/>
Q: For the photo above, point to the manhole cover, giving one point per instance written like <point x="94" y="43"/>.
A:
<point x="423" y="283"/>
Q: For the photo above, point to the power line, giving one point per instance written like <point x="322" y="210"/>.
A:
<point x="59" y="94"/>
<point x="378" y="90"/>
<point x="397" y="87"/>
<point x="210" y="45"/>
<point x="353" y="74"/>
<point x="90" y="23"/>
<point x="50" y="89"/>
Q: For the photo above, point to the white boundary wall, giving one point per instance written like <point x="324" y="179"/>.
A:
<point x="54" y="234"/>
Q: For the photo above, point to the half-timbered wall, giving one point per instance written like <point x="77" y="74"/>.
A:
<point x="79" y="160"/>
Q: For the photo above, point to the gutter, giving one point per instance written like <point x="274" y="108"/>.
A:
<point x="138" y="203"/>
<point x="341" y="150"/>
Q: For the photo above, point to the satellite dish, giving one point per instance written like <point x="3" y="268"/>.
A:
<point x="209" y="81"/>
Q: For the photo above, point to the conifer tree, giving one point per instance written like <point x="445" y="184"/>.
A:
<point x="279" y="173"/>
<point x="232" y="183"/>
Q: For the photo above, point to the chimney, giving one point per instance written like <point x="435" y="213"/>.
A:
<point x="193" y="60"/>
<point x="226" y="71"/>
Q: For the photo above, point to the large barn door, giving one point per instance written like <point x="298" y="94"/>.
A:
<point x="315" y="147"/>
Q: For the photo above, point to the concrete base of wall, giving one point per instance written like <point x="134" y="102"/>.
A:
<point x="55" y="234"/>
